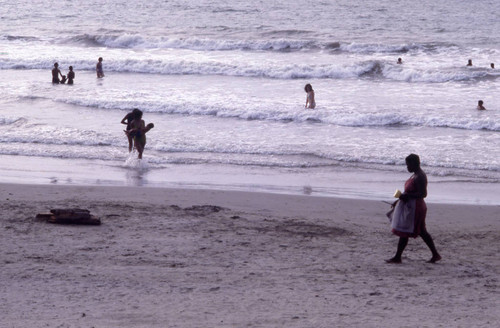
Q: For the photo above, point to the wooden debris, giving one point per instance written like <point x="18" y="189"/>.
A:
<point x="69" y="216"/>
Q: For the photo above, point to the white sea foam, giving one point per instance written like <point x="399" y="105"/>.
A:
<point x="334" y="117"/>
<point x="135" y="163"/>
<point x="225" y="86"/>
<point x="10" y="120"/>
<point x="180" y="66"/>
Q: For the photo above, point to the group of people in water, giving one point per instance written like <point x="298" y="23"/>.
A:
<point x="136" y="128"/>
<point x="56" y="73"/>
<point x="469" y="63"/>
<point x="311" y="103"/>
<point x="68" y="78"/>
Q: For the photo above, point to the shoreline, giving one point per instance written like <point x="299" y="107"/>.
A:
<point x="336" y="182"/>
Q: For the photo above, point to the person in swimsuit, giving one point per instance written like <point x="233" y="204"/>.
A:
<point x="56" y="72"/>
<point x="480" y="105"/>
<point x="415" y="188"/>
<point x="310" y="102"/>
<point x="469" y="63"/>
<point x="127" y="120"/>
<point x="71" y="75"/>
<point x="98" y="68"/>
<point x="138" y="132"/>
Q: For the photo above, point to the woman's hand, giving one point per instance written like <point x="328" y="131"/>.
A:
<point x="404" y="197"/>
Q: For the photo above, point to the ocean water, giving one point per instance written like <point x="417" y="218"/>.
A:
<point x="223" y="83"/>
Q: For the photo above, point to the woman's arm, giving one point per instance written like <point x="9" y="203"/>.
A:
<point x="124" y="119"/>
<point x="421" y="188"/>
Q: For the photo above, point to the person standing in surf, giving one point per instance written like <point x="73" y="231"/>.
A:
<point x="310" y="102"/>
<point x="127" y="120"/>
<point x="56" y="72"/>
<point x="98" y="68"/>
<point x="138" y="132"/>
<point x="70" y="75"/>
<point x="415" y="188"/>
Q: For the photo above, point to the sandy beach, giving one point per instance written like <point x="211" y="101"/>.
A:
<point x="202" y="258"/>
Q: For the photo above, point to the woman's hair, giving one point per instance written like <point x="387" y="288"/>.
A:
<point x="308" y="87"/>
<point x="137" y="113"/>
<point x="413" y="159"/>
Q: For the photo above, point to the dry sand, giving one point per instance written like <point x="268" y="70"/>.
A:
<point x="162" y="259"/>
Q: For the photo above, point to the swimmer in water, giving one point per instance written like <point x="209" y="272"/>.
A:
<point x="310" y="102"/>
<point x="480" y="105"/>
<point x="98" y="68"/>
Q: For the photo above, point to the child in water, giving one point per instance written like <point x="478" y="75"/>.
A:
<point x="71" y="75"/>
<point x="310" y="102"/>
<point x="480" y="105"/>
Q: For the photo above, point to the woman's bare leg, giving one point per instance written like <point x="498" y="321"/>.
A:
<point x="403" y="241"/>
<point x="430" y="243"/>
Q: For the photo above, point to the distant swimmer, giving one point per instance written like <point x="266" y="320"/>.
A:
<point x="480" y="105"/>
<point x="98" y="68"/>
<point x="70" y="75"/>
<point x="310" y="102"/>
<point x="56" y="72"/>
<point x="469" y="63"/>
<point x="400" y="61"/>
<point x="127" y="120"/>
<point x="138" y="132"/>
<point x="492" y="65"/>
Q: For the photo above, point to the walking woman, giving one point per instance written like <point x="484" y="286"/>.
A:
<point x="415" y="188"/>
